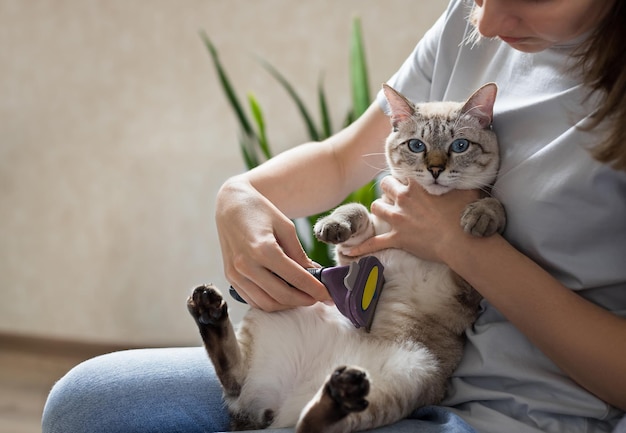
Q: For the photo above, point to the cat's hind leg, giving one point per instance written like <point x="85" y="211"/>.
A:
<point x="210" y="311"/>
<point x="343" y="393"/>
<point x="399" y="380"/>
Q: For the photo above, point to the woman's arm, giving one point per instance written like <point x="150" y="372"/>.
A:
<point x="257" y="238"/>
<point x="584" y="340"/>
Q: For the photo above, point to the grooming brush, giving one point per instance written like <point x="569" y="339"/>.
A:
<point x="355" y="288"/>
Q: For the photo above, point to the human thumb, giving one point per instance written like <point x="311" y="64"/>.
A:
<point x="371" y="245"/>
<point x="291" y="246"/>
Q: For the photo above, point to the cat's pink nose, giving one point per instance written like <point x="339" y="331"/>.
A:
<point x="435" y="171"/>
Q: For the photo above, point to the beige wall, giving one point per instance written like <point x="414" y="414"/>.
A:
<point x="114" y="138"/>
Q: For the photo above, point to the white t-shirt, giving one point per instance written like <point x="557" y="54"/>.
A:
<point x="566" y="211"/>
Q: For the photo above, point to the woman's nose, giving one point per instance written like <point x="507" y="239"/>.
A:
<point x="495" y="18"/>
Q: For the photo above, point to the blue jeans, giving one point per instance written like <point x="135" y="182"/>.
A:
<point x="170" y="391"/>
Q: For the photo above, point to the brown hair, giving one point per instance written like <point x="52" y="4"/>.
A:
<point x="602" y="59"/>
<point x="602" y="62"/>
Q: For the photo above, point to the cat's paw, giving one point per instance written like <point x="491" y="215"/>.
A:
<point x="348" y="387"/>
<point x="332" y="232"/>
<point x="484" y="217"/>
<point x="207" y="306"/>
<point x="342" y="224"/>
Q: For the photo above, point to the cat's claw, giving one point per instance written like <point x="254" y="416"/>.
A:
<point x="207" y="306"/>
<point x="348" y="387"/>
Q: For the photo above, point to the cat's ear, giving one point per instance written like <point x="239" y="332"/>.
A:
<point x="480" y="104"/>
<point x="401" y="108"/>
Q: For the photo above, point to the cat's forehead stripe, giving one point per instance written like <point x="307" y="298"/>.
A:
<point x="438" y="127"/>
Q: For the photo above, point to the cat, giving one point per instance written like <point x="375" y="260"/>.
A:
<point x="309" y="367"/>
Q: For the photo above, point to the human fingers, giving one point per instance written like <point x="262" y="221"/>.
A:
<point x="263" y="285"/>
<point x="385" y="210"/>
<point x="292" y="266"/>
<point x="371" y="245"/>
<point x="271" y="294"/>
<point x="391" y="187"/>
<point x="264" y="274"/>
<point x="253" y="273"/>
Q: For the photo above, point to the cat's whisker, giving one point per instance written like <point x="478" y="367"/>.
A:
<point x="373" y="154"/>
<point x="381" y="172"/>
<point x="456" y="122"/>
<point x="482" y="186"/>
<point x="504" y="174"/>
<point x="477" y="107"/>
<point x="380" y="169"/>
<point x="492" y="191"/>
<point x="463" y="128"/>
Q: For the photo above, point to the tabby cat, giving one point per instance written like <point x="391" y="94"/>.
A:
<point x="309" y="367"/>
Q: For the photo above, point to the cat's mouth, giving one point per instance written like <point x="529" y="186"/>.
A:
<point x="436" y="188"/>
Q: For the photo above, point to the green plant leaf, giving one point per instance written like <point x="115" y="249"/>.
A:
<point x="304" y="112"/>
<point x="365" y="195"/>
<point x="318" y="251"/>
<point x="257" y="115"/>
<point x="248" y="150"/>
<point x="327" y="128"/>
<point x="358" y="71"/>
<point x="227" y="87"/>
<point x="349" y="118"/>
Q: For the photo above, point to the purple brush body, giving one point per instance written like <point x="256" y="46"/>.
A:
<point x="355" y="288"/>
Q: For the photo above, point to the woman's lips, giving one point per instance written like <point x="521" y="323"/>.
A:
<point x="511" y="40"/>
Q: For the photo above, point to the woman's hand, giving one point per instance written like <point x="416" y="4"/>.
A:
<point x="263" y="258"/>
<point x="421" y="224"/>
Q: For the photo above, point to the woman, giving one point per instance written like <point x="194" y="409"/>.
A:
<point x="547" y="352"/>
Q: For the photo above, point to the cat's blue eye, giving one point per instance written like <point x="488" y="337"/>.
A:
<point x="459" y="145"/>
<point x="416" y="145"/>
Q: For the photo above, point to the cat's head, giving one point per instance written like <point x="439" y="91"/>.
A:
<point x="443" y="145"/>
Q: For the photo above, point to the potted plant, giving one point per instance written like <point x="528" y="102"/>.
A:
<point x="253" y="140"/>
